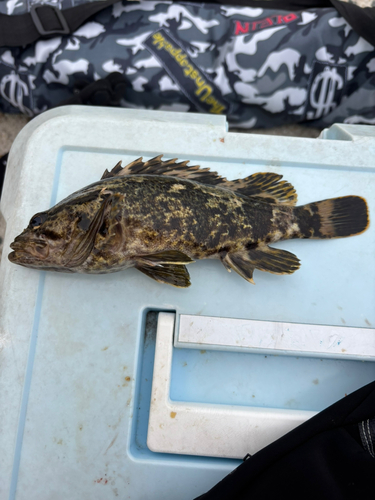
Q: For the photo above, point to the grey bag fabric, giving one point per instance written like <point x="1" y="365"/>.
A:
<point x="261" y="67"/>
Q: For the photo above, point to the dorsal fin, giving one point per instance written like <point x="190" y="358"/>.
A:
<point x="113" y="173"/>
<point x="267" y="186"/>
<point x="156" y="166"/>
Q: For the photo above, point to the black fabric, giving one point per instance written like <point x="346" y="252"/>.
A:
<point x="331" y="456"/>
<point x="16" y="31"/>
<point x="3" y="164"/>
<point x="104" y="92"/>
<point x="362" y="20"/>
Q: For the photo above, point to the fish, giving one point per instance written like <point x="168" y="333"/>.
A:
<point x="159" y="216"/>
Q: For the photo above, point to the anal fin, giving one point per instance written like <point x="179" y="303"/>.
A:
<point x="264" y="258"/>
<point x="171" y="274"/>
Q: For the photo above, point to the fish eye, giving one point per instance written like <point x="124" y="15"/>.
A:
<point x="38" y="220"/>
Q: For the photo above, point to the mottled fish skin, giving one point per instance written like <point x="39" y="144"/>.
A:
<point x="200" y="221"/>
<point x="141" y="216"/>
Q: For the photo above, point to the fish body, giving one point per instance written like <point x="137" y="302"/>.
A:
<point x="197" y="220"/>
<point x="159" y="216"/>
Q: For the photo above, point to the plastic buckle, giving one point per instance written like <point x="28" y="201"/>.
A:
<point x="64" y="30"/>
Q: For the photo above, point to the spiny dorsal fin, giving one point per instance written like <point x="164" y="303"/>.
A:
<point x="113" y="173"/>
<point x="268" y="186"/>
<point x="156" y="166"/>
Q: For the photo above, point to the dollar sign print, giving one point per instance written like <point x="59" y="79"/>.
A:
<point x="13" y="90"/>
<point x="323" y="92"/>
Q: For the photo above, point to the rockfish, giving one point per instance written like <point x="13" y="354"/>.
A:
<point x="159" y="216"/>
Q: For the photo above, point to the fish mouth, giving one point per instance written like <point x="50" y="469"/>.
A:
<point x="20" y="257"/>
<point x="17" y="245"/>
<point x="13" y="257"/>
<point x="28" y="252"/>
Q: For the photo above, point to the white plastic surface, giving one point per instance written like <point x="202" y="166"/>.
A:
<point x="275" y="337"/>
<point x="76" y="359"/>
<point x="207" y="429"/>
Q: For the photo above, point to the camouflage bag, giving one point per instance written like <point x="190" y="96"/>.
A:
<point x="261" y="67"/>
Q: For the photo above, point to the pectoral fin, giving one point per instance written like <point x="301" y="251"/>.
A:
<point x="77" y="253"/>
<point x="264" y="258"/>
<point x="170" y="274"/>
<point x="168" y="257"/>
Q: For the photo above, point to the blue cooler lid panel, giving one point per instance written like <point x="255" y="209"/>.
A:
<point x="77" y="377"/>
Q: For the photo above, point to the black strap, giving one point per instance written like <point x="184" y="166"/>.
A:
<point x="3" y="165"/>
<point x="361" y="19"/>
<point x="45" y="21"/>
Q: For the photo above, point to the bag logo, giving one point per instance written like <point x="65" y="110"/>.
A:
<point x="192" y="81"/>
<point x="242" y="28"/>
<point x="326" y="87"/>
<point x="16" y="91"/>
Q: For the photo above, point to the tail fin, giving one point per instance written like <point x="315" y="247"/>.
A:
<point x="334" y="218"/>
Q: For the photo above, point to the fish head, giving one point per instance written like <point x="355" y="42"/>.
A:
<point x="60" y="239"/>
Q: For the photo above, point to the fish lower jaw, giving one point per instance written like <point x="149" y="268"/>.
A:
<point x="26" y="260"/>
<point x="22" y="258"/>
<point x="12" y="257"/>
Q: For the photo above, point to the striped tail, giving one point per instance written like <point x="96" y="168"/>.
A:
<point x="334" y="218"/>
